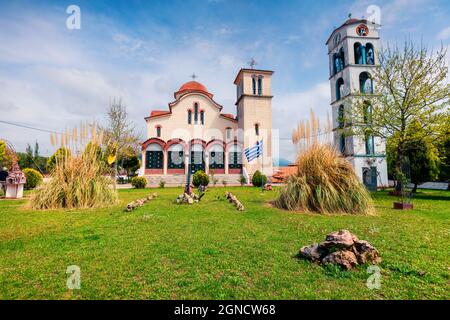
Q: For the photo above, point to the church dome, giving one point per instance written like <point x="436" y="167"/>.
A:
<point x="192" y="86"/>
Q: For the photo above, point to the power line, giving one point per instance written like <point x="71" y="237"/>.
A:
<point x="29" y="127"/>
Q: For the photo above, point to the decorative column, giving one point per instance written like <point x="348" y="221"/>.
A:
<point x="225" y="160"/>
<point x="143" y="162"/>
<point x="186" y="161"/>
<point x="206" y="155"/>
<point x="165" y="162"/>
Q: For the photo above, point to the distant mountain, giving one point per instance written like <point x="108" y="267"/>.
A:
<point x="281" y="162"/>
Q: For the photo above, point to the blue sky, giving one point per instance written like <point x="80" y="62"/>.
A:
<point x="142" y="51"/>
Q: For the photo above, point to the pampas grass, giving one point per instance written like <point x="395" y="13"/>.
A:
<point x="79" y="178"/>
<point x="325" y="182"/>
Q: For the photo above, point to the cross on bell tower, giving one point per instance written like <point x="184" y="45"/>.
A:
<point x="252" y="63"/>
<point x="194" y="76"/>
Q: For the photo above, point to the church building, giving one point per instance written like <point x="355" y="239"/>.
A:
<point x="194" y="134"/>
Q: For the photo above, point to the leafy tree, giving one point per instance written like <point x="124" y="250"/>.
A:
<point x="422" y="156"/>
<point x="7" y="156"/>
<point x="29" y="157"/>
<point x="411" y="87"/>
<point x="131" y="164"/>
<point x="36" y="150"/>
<point x="120" y="132"/>
<point x="2" y="150"/>
<point x="444" y="156"/>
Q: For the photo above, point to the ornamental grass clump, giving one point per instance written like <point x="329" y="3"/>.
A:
<point x="325" y="182"/>
<point x="79" y="178"/>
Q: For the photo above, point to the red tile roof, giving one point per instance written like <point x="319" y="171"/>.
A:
<point x="192" y="86"/>
<point x="228" y="115"/>
<point x="156" y="113"/>
<point x="281" y="175"/>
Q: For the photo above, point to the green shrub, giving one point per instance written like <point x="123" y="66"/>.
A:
<point x="242" y="180"/>
<point x="200" y="179"/>
<point x="34" y="178"/>
<point x="162" y="184"/>
<point x="258" y="179"/>
<point x="139" y="182"/>
<point x="2" y="192"/>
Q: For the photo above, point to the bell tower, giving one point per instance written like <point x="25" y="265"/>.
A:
<point x="254" y="114"/>
<point x="352" y="51"/>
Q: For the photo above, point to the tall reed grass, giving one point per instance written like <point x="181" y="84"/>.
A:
<point x="79" y="179"/>
<point x="325" y="182"/>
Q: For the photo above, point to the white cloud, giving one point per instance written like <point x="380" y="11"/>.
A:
<point x="444" y="34"/>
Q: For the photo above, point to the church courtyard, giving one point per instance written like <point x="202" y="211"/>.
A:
<point x="212" y="251"/>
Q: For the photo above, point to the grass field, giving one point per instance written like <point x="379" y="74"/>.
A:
<point x="211" y="251"/>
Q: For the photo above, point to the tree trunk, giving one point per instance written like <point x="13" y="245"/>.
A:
<point x="398" y="168"/>
<point x="414" y="190"/>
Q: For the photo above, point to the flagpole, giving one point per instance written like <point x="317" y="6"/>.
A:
<point x="262" y="166"/>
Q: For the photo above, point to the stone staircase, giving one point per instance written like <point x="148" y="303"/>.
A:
<point x="179" y="180"/>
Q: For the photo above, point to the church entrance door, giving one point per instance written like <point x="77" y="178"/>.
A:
<point x="370" y="178"/>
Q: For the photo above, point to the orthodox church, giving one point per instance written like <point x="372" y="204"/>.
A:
<point x="194" y="134"/>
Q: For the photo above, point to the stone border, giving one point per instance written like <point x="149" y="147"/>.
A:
<point x="232" y="199"/>
<point x="139" y="203"/>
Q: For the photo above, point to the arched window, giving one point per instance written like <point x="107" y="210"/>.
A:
<point x="342" y="144"/>
<point x="176" y="157"/>
<point x="341" y="117"/>
<point x="339" y="89"/>
<point x="367" y="113"/>
<point x="339" y="61"/>
<point x="235" y="157"/>
<point x="370" y="146"/>
<point x="335" y="63"/>
<point x="154" y="156"/>
<point x="342" y="58"/>
<point x="216" y="157"/>
<point x="197" y="158"/>
<point x="370" y="54"/>
<point x="365" y="83"/>
<point x="257" y="129"/>
<point x="195" y="113"/>
<point x="189" y="116"/>
<point x="202" y="117"/>
<point x="158" y="131"/>
<point x="359" y="53"/>
<point x="228" y="132"/>
<point x="259" y="85"/>
<point x="254" y="85"/>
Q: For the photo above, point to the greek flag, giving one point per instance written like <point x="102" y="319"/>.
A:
<point x="254" y="152"/>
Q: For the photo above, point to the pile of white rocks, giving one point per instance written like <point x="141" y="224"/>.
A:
<point x="232" y="199"/>
<point x="342" y="248"/>
<point x="140" y="202"/>
<point x="188" y="198"/>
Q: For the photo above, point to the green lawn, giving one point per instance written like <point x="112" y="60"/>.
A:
<point x="211" y="251"/>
